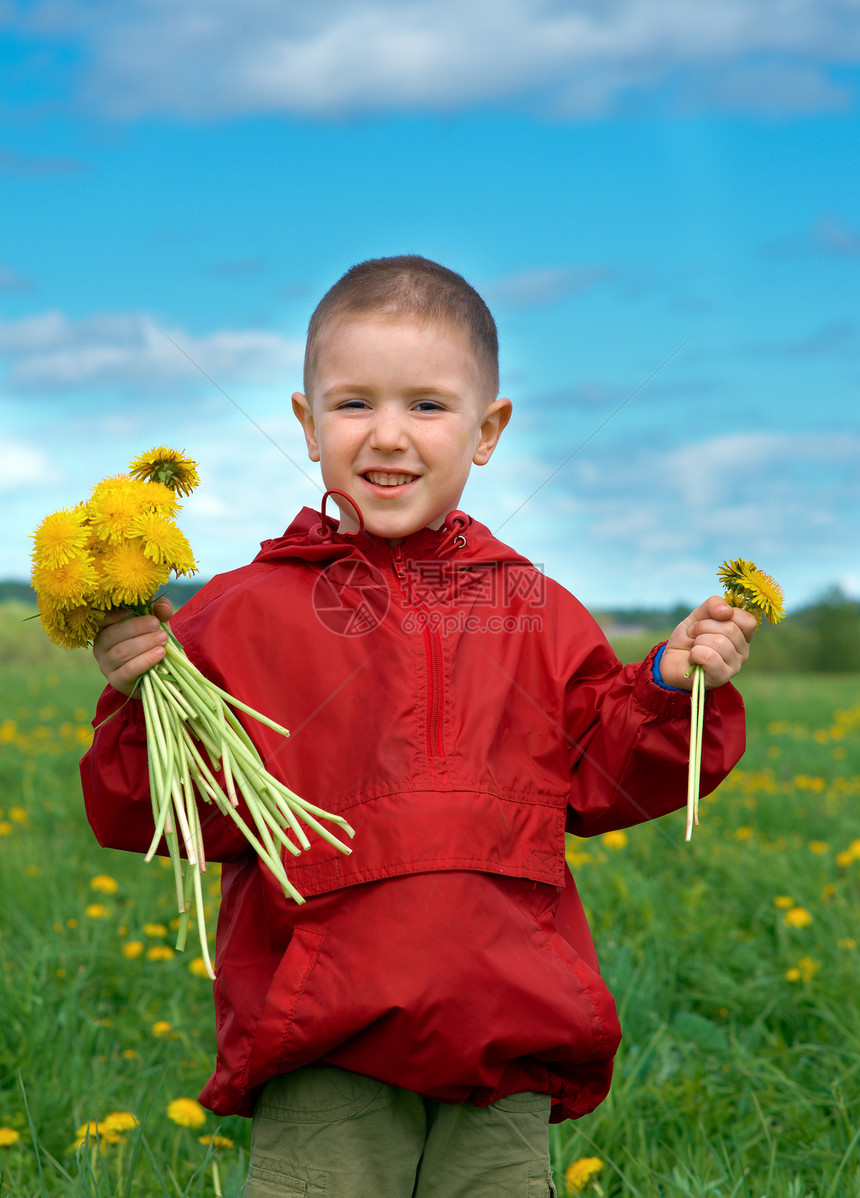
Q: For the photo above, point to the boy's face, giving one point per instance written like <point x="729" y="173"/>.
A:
<point x="396" y="418"/>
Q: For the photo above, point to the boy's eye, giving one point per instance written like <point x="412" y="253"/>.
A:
<point x="352" y="403"/>
<point x="429" y="405"/>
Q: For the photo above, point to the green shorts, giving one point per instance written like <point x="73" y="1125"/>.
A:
<point x="329" y="1132"/>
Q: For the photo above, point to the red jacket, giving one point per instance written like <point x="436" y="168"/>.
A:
<point x="461" y="710"/>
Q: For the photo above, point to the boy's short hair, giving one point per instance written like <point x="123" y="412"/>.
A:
<point x="409" y="286"/>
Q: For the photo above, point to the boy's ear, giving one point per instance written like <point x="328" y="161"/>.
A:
<point x="496" y="416"/>
<point x="305" y="417"/>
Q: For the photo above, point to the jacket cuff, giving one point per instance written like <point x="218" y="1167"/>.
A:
<point x="660" y="701"/>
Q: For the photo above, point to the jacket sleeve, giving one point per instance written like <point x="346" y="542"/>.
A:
<point x="631" y="762"/>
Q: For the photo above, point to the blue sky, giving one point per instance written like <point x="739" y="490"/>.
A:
<point x="660" y="202"/>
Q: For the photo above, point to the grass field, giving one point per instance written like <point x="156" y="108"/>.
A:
<point x="734" y="961"/>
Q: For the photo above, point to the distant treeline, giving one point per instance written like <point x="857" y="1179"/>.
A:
<point x="821" y="638"/>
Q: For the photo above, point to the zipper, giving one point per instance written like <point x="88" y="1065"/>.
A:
<point x="433" y="654"/>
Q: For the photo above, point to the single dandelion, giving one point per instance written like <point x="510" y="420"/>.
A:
<point x="617" y="839"/>
<point x="747" y="587"/>
<point x="104" y="883"/>
<point x="61" y="536"/>
<point x="168" y="467"/>
<point x="160" y="1028"/>
<point x="8" y="1137"/>
<point x="581" y="1173"/>
<point x="215" y="1141"/>
<point x="97" y="911"/>
<point x="120" y="1121"/>
<point x="186" y="1112"/>
<point x="132" y="949"/>
<point x="797" y="917"/>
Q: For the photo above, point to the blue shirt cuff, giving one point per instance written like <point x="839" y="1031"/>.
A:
<point x="657" y="676"/>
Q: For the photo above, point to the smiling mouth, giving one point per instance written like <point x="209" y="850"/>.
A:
<point x="388" y="478"/>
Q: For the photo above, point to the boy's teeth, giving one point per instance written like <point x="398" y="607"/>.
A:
<point x="384" y="478"/>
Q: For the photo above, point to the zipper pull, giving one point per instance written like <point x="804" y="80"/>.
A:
<point x="398" y="562"/>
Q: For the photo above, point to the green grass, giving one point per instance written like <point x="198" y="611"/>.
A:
<point x="732" y="1079"/>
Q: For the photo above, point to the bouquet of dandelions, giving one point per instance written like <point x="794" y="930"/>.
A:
<point x="750" y="588"/>
<point x="115" y="551"/>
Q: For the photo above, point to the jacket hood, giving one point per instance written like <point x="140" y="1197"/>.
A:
<point x="460" y="540"/>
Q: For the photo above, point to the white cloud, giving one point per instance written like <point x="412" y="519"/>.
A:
<point x="51" y="353"/>
<point x="24" y="466"/>
<point x="231" y="57"/>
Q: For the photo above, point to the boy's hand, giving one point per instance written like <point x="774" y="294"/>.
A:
<point x="716" y="637"/>
<point x="128" y="645"/>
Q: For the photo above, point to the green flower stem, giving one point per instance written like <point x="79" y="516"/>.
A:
<point x="694" y="770"/>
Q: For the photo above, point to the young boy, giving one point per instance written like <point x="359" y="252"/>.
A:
<point x="411" y="1029"/>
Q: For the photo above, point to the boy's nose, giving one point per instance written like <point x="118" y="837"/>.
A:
<point x="388" y="433"/>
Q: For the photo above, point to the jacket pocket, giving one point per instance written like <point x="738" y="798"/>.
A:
<point x="273" y="1050"/>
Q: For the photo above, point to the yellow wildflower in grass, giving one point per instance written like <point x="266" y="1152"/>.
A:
<point x="104" y="883"/>
<point x="159" y="952"/>
<point x="804" y="971"/>
<point x="844" y="859"/>
<point x="582" y="1172"/>
<point x="615" y="840"/>
<point x="186" y="1112"/>
<point x="744" y="833"/>
<point x="8" y="1137"/>
<point x="95" y="1131"/>
<point x="5" y="828"/>
<point x="154" y="930"/>
<point x="160" y="1028"/>
<point x="797" y="917"/>
<point x="132" y="949"/>
<point x="18" y="815"/>
<point x="97" y="911"/>
<point x="216" y="1141"/>
<point x="198" y="968"/>
<point x="120" y="1121"/>
<point x="168" y="467"/>
<point x="819" y="847"/>
<point x="783" y="902"/>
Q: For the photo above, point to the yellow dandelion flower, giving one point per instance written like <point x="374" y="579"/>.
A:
<point x="159" y="952"/>
<point x="187" y="1112"/>
<point x="793" y="974"/>
<point x="748" y="587"/>
<point x="615" y="840"/>
<point x="113" y="507"/>
<point x="104" y="883"/>
<point x="819" y="847"/>
<point x="844" y="859"/>
<point x="9" y="1136"/>
<point x="132" y="949"/>
<point x="61" y="535"/>
<point x="95" y="1130"/>
<point x="198" y="968"/>
<point x="154" y="929"/>
<point x="5" y="828"/>
<point x="130" y="1054"/>
<point x="582" y="1172"/>
<point x="18" y="814"/>
<point x="216" y="1141"/>
<point x="129" y="576"/>
<point x="164" y="543"/>
<point x="167" y="466"/>
<point x="160" y="1028"/>
<point x="96" y="911"/>
<point x="783" y="902"/>
<point x="797" y="917"/>
<point x="120" y="1121"/>
<point x="68" y="584"/>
